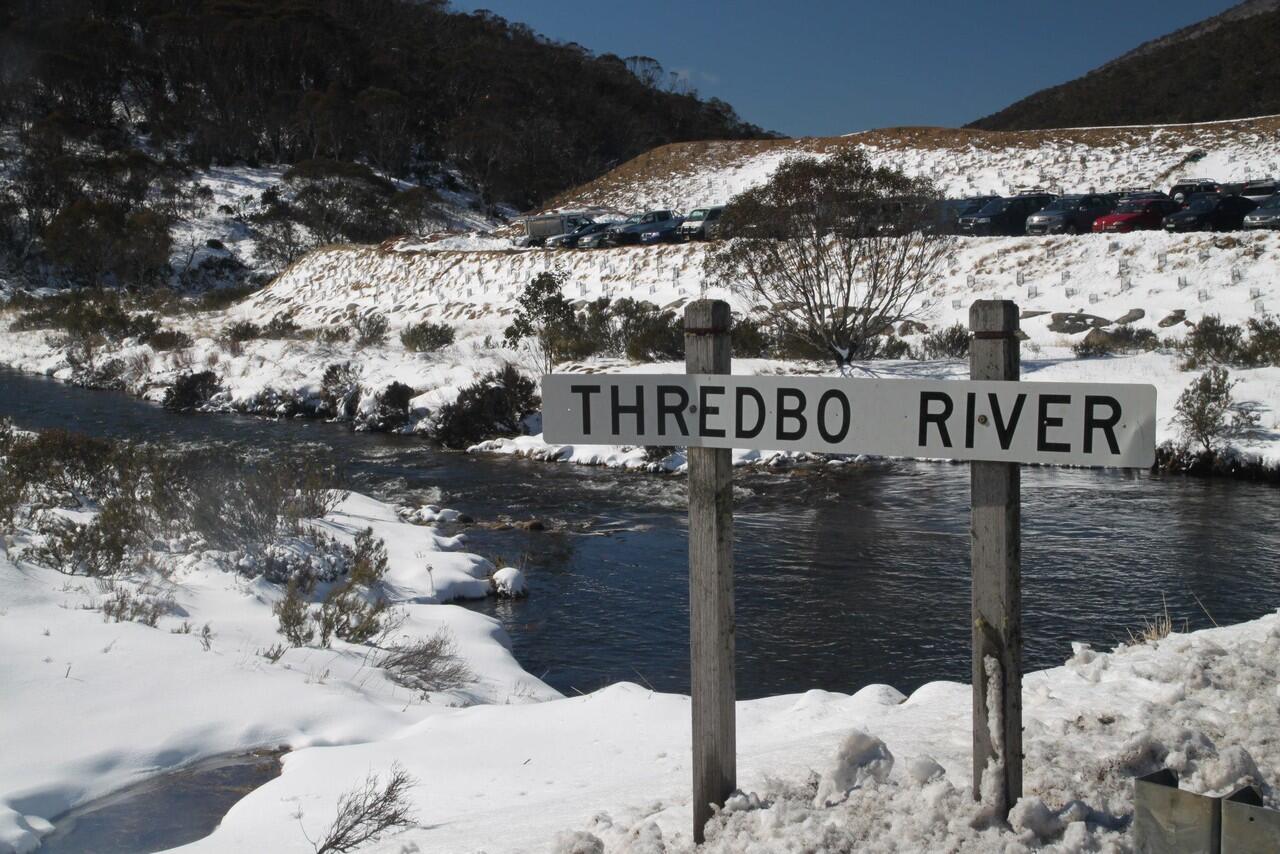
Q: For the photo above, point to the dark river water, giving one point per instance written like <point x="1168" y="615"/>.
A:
<point x="844" y="576"/>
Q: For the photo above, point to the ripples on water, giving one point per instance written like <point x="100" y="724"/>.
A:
<point x="845" y="576"/>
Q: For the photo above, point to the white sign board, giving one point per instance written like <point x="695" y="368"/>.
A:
<point x="1079" y="424"/>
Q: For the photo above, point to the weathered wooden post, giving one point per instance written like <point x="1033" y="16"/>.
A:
<point x="711" y="619"/>
<point x="996" y="558"/>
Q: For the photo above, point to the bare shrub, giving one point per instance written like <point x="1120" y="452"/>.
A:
<point x="368" y="811"/>
<point x="124" y="605"/>
<point x="427" y="664"/>
<point x="836" y="247"/>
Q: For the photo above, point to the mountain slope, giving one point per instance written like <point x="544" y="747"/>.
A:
<point x="1224" y="67"/>
<point x="959" y="162"/>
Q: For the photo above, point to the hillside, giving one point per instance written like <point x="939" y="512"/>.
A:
<point x="961" y="162"/>
<point x="120" y="123"/>
<point x="1221" y="68"/>
<point x="1157" y="283"/>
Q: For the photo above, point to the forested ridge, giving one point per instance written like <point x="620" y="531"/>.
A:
<point x="1231" y="70"/>
<point x="108" y="105"/>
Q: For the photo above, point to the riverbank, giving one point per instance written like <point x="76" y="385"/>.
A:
<point x="285" y="379"/>
<point x="874" y="771"/>
<point x="92" y="704"/>
<point x="104" y="704"/>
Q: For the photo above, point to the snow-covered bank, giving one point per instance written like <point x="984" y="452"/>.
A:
<point x="1066" y="287"/>
<point x="91" y="705"/>
<point x="609" y="771"/>
<point x="1050" y="364"/>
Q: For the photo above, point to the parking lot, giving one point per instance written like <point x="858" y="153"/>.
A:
<point x="1189" y="204"/>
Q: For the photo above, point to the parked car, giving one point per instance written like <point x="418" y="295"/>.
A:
<point x="1210" y="212"/>
<point x="1266" y="215"/>
<point x="944" y="215"/>
<point x="1069" y="214"/>
<point x="1136" y="213"/>
<point x="597" y="239"/>
<point x="1261" y="190"/>
<point x="701" y="224"/>
<point x="1182" y="191"/>
<point x="537" y="229"/>
<point x="1007" y="216"/>
<point x="572" y="239"/>
<point x="648" y="227"/>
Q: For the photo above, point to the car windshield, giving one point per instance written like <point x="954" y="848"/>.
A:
<point x="1133" y="206"/>
<point x="1204" y="202"/>
<point x="634" y="218"/>
<point x="700" y="213"/>
<point x="1272" y="203"/>
<point x="1064" y="203"/>
<point x="994" y="207"/>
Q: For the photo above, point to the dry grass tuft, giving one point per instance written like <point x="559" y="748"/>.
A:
<point x="1156" y="629"/>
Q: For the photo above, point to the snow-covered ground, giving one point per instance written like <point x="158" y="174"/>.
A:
<point x="614" y="764"/>
<point x="1146" y="278"/>
<point x="508" y="765"/>
<point x="91" y="705"/>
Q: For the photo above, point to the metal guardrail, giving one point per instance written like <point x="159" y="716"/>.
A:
<point x="1169" y="820"/>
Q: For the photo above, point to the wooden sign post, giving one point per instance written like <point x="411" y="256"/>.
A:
<point x="991" y="420"/>
<point x="995" y="560"/>
<point x="711" y="620"/>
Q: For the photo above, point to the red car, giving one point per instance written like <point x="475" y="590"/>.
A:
<point x="1137" y="213"/>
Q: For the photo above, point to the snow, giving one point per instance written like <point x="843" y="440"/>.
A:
<point x="510" y="581"/>
<point x="613" y="766"/>
<point x="91" y="706"/>
<point x="506" y="764"/>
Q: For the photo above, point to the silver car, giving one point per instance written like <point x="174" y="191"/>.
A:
<point x="1266" y="215"/>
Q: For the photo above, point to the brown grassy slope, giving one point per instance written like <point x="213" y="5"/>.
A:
<point x="687" y="157"/>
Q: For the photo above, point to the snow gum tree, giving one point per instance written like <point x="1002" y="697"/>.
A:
<point x="839" y="249"/>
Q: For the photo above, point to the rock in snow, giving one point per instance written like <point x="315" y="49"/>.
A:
<point x="510" y="582"/>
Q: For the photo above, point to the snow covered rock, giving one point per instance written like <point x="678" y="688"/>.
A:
<point x="510" y="582"/>
<point x="862" y="758"/>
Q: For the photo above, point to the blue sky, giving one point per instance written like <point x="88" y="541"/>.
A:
<point x="823" y="67"/>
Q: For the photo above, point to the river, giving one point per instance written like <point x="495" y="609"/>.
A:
<point x="845" y="576"/>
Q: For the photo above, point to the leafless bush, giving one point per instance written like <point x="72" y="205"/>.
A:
<point x="837" y="247"/>
<point x="368" y="811"/>
<point x="274" y="653"/>
<point x="126" y="606"/>
<point x="427" y="664"/>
